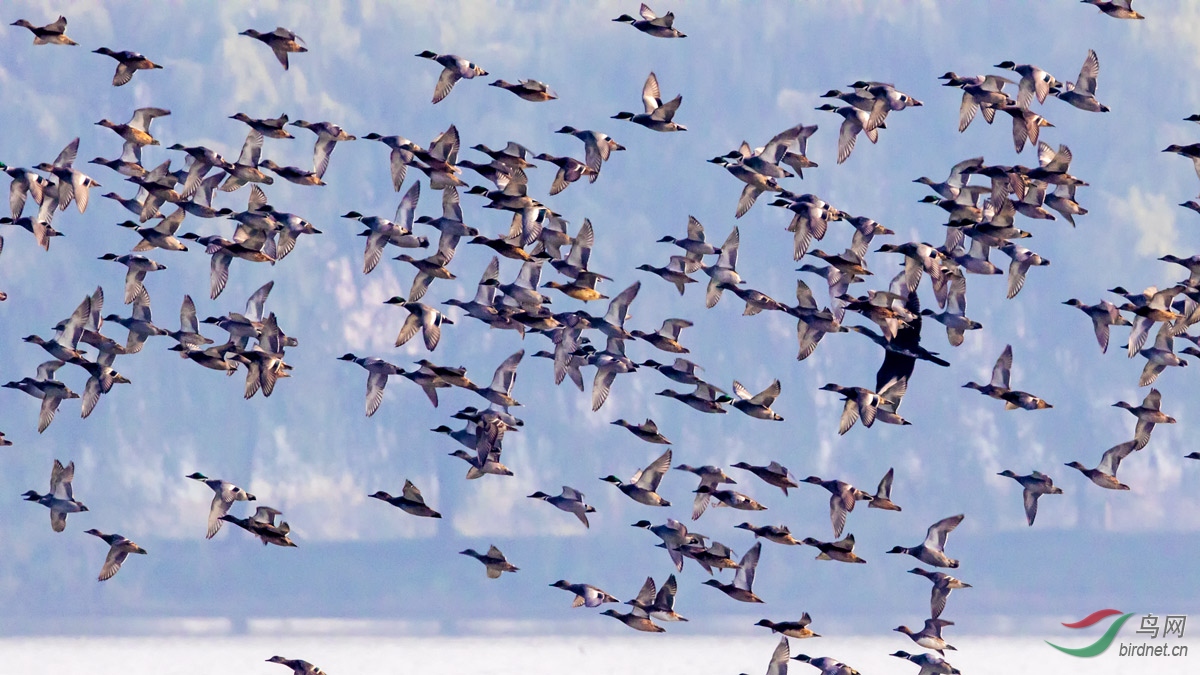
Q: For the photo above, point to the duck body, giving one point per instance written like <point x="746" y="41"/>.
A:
<point x="281" y="41"/>
<point x="127" y="64"/>
<point x="653" y="25"/>
<point x="51" y="34"/>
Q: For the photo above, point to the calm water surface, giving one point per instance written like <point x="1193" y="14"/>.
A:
<point x="557" y="655"/>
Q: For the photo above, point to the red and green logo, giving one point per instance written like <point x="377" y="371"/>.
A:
<point x="1105" y="640"/>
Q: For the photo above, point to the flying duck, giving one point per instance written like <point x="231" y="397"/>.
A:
<point x="1117" y="9"/>
<point x="743" y="581"/>
<point x="660" y="605"/>
<point x="410" y="501"/>
<point x="262" y="525"/>
<point x="658" y="115"/>
<point x="421" y="319"/>
<point x="281" y="41"/>
<point x="1148" y="414"/>
<point x="597" y="147"/>
<point x="454" y="68"/>
<point x="647" y="431"/>
<point x="841" y="551"/>
<point x="493" y="560"/>
<point x="61" y="497"/>
<point x="1036" y="484"/>
<point x="942" y="585"/>
<point x="929" y="637"/>
<point x="930" y="664"/>
<point x="586" y="595"/>
<point x="931" y="551"/>
<point x="127" y="64"/>
<point x="1103" y="315"/>
<point x="793" y="629"/>
<point x="772" y="474"/>
<point x="51" y="34"/>
<point x="1082" y="94"/>
<point x="635" y="621"/>
<point x="779" y="534"/>
<point x="1105" y="475"/>
<point x="298" y="666"/>
<point x="641" y="487"/>
<point x="226" y="494"/>
<point x="529" y="90"/>
<point x="119" y="549"/>
<point x="883" y="495"/>
<point x="757" y="405"/>
<point x="571" y="501"/>
<point x="650" y="24"/>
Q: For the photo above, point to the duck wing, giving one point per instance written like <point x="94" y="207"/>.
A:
<point x="67" y="157"/>
<point x="1088" y="74"/>
<point x="112" y="563"/>
<point x="849" y="416"/>
<point x="937" y="533"/>
<point x="251" y="149"/>
<point x="279" y="48"/>
<point x="847" y="136"/>
<point x="1153" y="400"/>
<point x="652" y="475"/>
<point x="48" y="409"/>
<point x="666" y="111"/>
<point x="1111" y="460"/>
<point x="1100" y="325"/>
<point x="651" y="97"/>
<point x="445" y="83"/>
<point x="744" y="579"/>
<point x="838" y="512"/>
<point x="645" y="596"/>
<point x="376" y="381"/>
<point x="601" y="386"/>
<point x="967" y="111"/>
<point x="412" y="326"/>
<point x="665" y="600"/>
<point x="506" y="373"/>
<point x="1002" y="371"/>
<point x="221" y="504"/>
<point x="618" y="307"/>
<point x="60" y="480"/>
<point x="1030" y="498"/>
<point x="779" y="658"/>
<point x="767" y="396"/>
<point x="885" y="486"/>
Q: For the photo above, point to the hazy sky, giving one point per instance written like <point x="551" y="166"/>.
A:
<point x="746" y="71"/>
